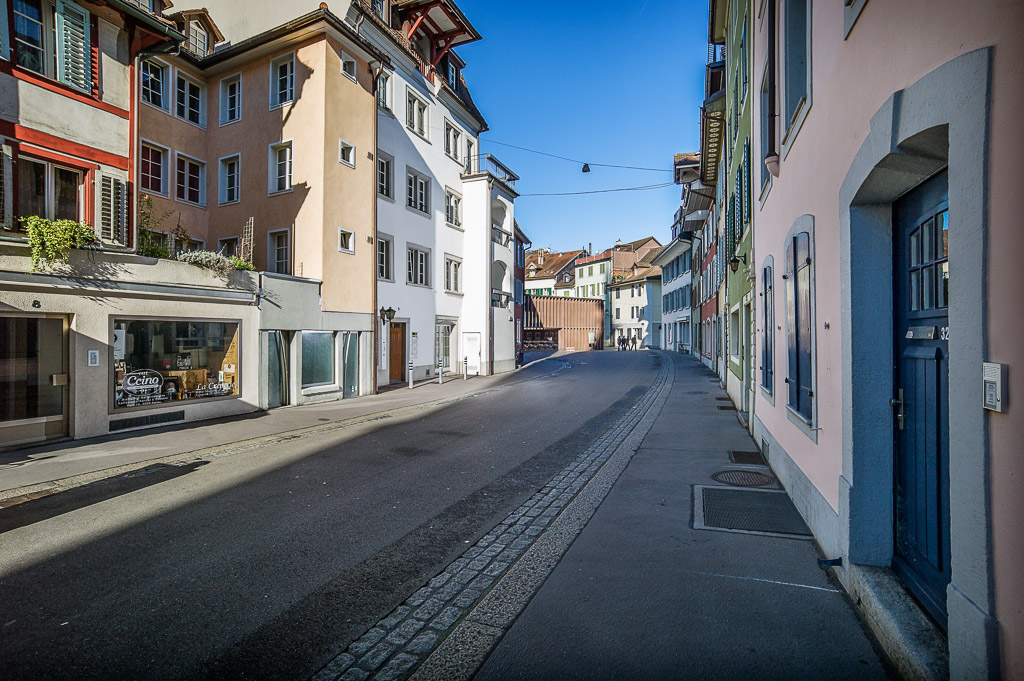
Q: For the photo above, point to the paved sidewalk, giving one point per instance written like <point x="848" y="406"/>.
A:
<point x="608" y="573"/>
<point x="641" y="594"/>
<point x="50" y="467"/>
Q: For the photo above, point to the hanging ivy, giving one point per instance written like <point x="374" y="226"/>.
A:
<point x="51" y="240"/>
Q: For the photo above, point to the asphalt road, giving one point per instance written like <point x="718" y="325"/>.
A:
<point x="266" y="564"/>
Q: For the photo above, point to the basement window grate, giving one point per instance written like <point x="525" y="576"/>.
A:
<point x="148" y="420"/>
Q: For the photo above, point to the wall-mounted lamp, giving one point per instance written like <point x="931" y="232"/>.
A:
<point x="386" y="315"/>
<point x="734" y="264"/>
<point x="771" y="162"/>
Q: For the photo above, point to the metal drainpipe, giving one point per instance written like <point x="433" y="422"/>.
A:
<point x="377" y="340"/>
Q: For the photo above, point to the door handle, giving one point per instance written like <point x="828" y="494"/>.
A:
<point x="896" y="403"/>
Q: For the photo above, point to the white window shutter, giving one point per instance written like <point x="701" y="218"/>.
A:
<point x="5" y="40"/>
<point x="6" y="188"/>
<point x="111" y="210"/>
<point x="74" y="54"/>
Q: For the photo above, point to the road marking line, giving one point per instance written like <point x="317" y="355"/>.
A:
<point x="768" y="581"/>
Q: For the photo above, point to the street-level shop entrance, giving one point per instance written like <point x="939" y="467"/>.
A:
<point x="33" y="378"/>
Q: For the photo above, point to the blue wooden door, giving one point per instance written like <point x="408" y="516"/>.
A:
<point x="920" y="405"/>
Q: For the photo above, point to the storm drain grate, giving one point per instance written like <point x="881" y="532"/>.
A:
<point x="696" y="392"/>
<point x="743" y="478"/>
<point x="757" y="511"/>
<point x="747" y="458"/>
<point x="727" y="407"/>
<point x="726" y="399"/>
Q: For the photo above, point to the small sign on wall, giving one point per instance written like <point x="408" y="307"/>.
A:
<point x="94" y="358"/>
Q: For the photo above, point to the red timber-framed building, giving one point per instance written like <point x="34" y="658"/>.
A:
<point x="105" y="340"/>
<point x="68" y="114"/>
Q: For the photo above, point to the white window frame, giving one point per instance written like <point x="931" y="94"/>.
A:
<point x="225" y="111"/>
<point x="166" y="170"/>
<point x="419" y="123"/>
<point x="453" y="197"/>
<point x="384" y="90"/>
<point x="195" y="30"/>
<point x="272" y="168"/>
<point x="453" y="277"/>
<point x="165" y="86"/>
<point x="276" y="101"/>
<point x="49" y="171"/>
<point x="342" y="233"/>
<point x="389" y="175"/>
<point x="347" y="59"/>
<point x="272" y="260"/>
<point x="452" y="140"/>
<point x="417" y="196"/>
<point x="188" y="78"/>
<point x="419" y="274"/>
<point x="344" y="146"/>
<point x="389" y="264"/>
<point x="222" y="184"/>
<point x="202" y="179"/>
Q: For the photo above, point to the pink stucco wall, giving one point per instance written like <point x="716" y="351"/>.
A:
<point x="893" y="44"/>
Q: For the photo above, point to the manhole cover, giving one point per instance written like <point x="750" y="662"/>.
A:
<point x="743" y="478"/>
<point x="696" y="392"/>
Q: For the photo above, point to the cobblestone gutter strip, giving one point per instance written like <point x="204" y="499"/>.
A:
<point x="437" y="633"/>
<point x="19" y="495"/>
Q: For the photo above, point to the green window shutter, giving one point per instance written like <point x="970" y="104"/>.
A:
<point x="74" y="54"/>
<point x="6" y="188"/>
<point x="5" y="36"/>
<point x="112" y="210"/>
<point x="746" y="181"/>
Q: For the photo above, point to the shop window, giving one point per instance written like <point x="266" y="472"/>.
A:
<point x="164" y="361"/>
<point x="317" y="358"/>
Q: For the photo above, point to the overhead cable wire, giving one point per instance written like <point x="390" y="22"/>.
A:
<point x="604" y="191"/>
<point x="573" y="160"/>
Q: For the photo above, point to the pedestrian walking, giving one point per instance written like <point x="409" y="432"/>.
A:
<point x="632" y="343"/>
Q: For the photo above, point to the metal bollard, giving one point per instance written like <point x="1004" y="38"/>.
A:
<point x="410" y="375"/>
<point x="440" y="372"/>
<point x="465" y="368"/>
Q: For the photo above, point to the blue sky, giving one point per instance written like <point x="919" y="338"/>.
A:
<point x="605" y="82"/>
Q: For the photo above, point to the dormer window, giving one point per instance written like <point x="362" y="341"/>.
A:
<point x="198" y="39"/>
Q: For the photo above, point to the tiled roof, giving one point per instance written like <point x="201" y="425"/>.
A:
<point x="642" y="274"/>
<point x="691" y="157"/>
<point x="553" y="263"/>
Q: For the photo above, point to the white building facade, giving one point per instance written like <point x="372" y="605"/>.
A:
<point x="675" y="261"/>
<point x="636" y="307"/>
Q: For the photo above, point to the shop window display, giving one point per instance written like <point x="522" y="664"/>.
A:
<point x="162" y="361"/>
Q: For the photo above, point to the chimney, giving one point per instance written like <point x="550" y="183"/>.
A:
<point x="618" y="242"/>
<point x="540" y="258"/>
<point x="590" y="247"/>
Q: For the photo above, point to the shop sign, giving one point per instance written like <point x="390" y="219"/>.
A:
<point x="143" y="382"/>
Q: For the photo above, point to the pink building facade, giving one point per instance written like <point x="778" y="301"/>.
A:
<point x="887" y="138"/>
